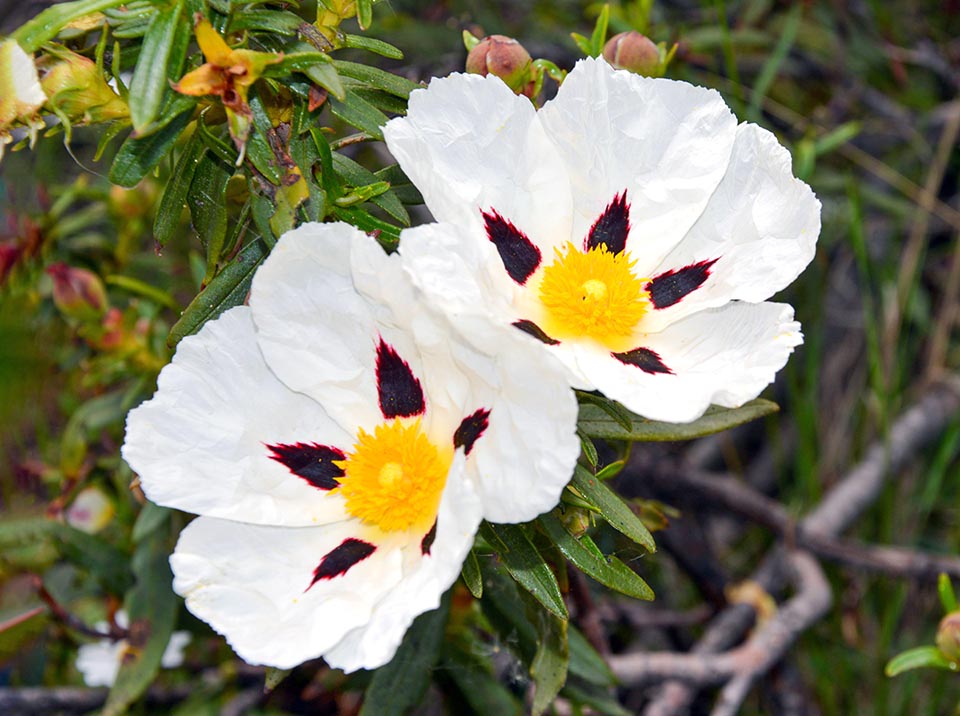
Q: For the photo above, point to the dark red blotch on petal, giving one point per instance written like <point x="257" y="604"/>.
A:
<point x="401" y="395"/>
<point x="519" y="255"/>
<point x="471" y="428"/>
<point x="672" y="286"/>
<point x="341" y="558"/>
<point x="536" y="331"/>
<point x="312" y="462"/>
<point x="427" y="542"/>
<point x="647" y="360"/>
<point x="612" y="228"/>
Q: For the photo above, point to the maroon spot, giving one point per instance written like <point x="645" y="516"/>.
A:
<point x="312" y="462"/>
<point x="672" y="286"/>
<point x="427" y="542"/>
<point x="470" y="429"/>
<point x="645" y="359"/>
<point x="520" y="257"/>
<point x="341" y="558"/>
<point x="536" y="331"/>
<point x="400" y="393"/>
<point x="612" y="228"/>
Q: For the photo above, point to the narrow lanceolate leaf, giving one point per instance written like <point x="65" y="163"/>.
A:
<point x="585" y="662"/>
<point x="614" y="510"/>
<point x="471" y="575"/>
<point x="138" y="156"/>
<point x="174" y="196"/>
<point x="400" y="685"/>
<point x="364" y="13"/>
<point x="947" y="596"/>
<point x="359" y="113"/>
<point x="370" y="44"/>
<point x="526" y="565"/>
<point x="482" y="692"/>
<point x="622" y="416"/>
<point x="597" y="423"/>
<point x="152" y="608"/>
<point x="377" y="78"/>
<point x="208" y="208"/>
<point x="226" y="290"/>
<point x="45" y="26"/>
<point x="149" y="80"/>
<point x="549" y="667"/>
<point x="273" y="677"/>
<point x="918" y="658"/>
<point x="609" y="571"/>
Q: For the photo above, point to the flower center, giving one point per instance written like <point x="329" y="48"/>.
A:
<point x="592" y="294"/>
<point x="394" y="477"/>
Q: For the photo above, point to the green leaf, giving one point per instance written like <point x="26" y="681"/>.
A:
<point x="602" y="702"/>
<point x="621" y="415"/>
<point x="469" y="40"/>
<point x="947" y="596"/>
<point x="45" y="26"/>
<point x="370" y="44"/>
<point x="607" y="570"/>
<point x="482" y="691"/>
<point x="152" y="608"/>
<point x="599" y="36"/>
<point x="364" y="13"/>
<point x="773" y="63"/>
<point x="208" y="208"/>
<point x="142" y="288"/>
<point x="151" y="518"/>
<point x="614" y="510"/>
<point x="19" y="629"/>
<point x="174" y="198"/>
<point x="137" y="156"/>
<point x="401" y="684"/>
<point x="359" y="176"/>
<point x="325" y="75"/>
<point x="377" y="78"/>
<point x="583" y="43"/>
<point x="588" y="449"/>
<point x="549" y="666"/>
<point x="586" y="662"/>
<point x="596" y="423"/>
<point x="149" y="80"/>
<point x="274" y="20"/>
<point x="610" y="471"/>
<point x="359" y="113"/>
<point x="389" y="236"/>
<point x="917" y="658"/>
<point x="471" y="575"/>
<point x="525" y="564"/>
<point x="227" y="289"/>
<point x="273" y="677"/>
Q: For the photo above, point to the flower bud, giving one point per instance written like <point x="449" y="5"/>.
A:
<point x="78" y="293"/>
<point x="577" y="520"/>
<point x="77" y="90"/>
<point x="948" y="636"/>
<point x="506" y="58"/>
<point x="634" y="52"/>
<point x="20" y="94"/>
<point x="90" y="511"/>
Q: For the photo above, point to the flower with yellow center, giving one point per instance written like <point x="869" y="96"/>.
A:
<point x="341" y="444"/>
<point x="592" y="294"/>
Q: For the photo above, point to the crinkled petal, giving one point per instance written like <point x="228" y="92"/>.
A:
<point x="470" y="144"/>
<point x="666" y="143"/>
<point x="724" y="356"/>
<point x="252" y="584"/>
<point x="201" y="444"/>
<point x="761" y="227"/>
<point x="425" y="579"/>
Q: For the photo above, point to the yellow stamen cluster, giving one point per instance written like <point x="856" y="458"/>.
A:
<point x="395" y="477"/>
<point x="592" y="294"/>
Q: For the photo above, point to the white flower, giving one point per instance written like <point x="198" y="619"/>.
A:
<point x="100" y="661"/>
<point x="341" y="445"/>
<point x="631" y="224"/>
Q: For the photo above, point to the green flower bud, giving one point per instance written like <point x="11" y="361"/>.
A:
<point x="634" y="52"/>
<point x="507" y="59"/>
<point x="78" y="293"/>
<point x="948" y="636"/>
<point x="77" y="90"/>
<point x="575" y="519"/>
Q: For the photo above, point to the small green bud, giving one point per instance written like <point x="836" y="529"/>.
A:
<point x="507" y="59"/>
<point x="78" y="293"/>
<point x="576" y="520"/>
<point x="948" y="636"/>
<point x="78" y="91"/>
<point x="634" y="52"/>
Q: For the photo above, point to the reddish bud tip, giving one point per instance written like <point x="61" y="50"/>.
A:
<point x="504" y="57"/>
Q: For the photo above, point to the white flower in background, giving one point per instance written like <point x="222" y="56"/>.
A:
<point x="341" y="444"/>
<point x="100" y="661"/>
<point x="631" y="225"/>
<point x="90" y="511"/>
<point x="20" y="93"/>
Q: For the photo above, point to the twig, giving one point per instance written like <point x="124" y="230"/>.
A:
<point x="587" y="616"/>
<point x="837" y="511"/>
<point x="39" y="701"/>
<point x="113" y="632"/>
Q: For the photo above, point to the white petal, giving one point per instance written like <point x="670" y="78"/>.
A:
<point x="761" y="225"/>
<point x="99" y="662"/>
<point x="724" y="356"/>
<point x="200" y="444"/>
<point x="667" y="143"/>
<point x="252" y="584"/>
<point x="470" y="144"/>
<point x="425" y="579"/>
<point x="173" y="654"/>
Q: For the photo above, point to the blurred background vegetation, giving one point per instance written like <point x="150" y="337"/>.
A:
<point x="864" y="93"/>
